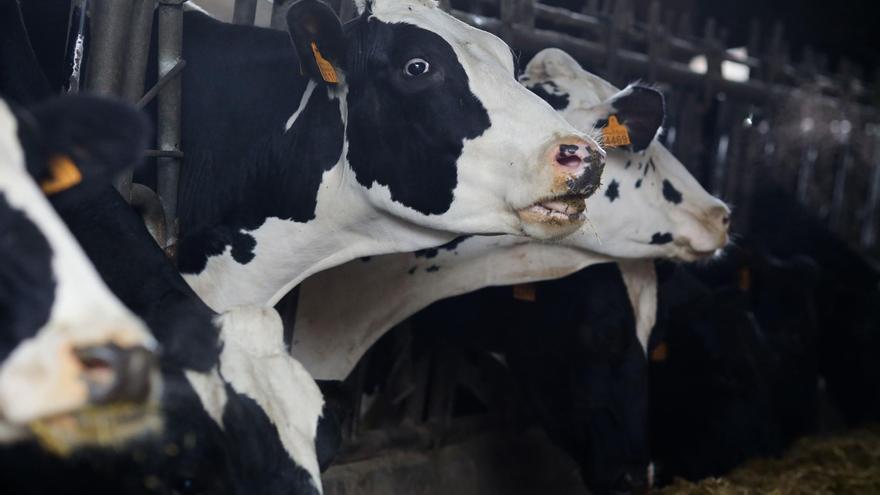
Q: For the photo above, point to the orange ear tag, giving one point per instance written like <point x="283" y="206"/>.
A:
<point x="525" y="292"/>
<point x="328" y="73"/>
<point x="64" y="175"/>
<point x="660" y="353"/>
<point x="615" y="134"/>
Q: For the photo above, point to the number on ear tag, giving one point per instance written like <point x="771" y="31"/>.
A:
<point x="615" y="134"/>
<point x="328" y="73"/>
<point x="63" y="175"/>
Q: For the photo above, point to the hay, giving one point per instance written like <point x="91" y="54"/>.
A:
<point x="835" y="465"/>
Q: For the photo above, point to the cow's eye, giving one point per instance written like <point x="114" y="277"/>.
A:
<point x="416" y="67"/>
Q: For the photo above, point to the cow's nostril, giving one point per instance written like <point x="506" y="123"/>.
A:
<point x="568" y="161"/>
<point x="113" y="373"/>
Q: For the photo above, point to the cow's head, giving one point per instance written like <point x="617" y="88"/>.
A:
<point x="76" y="367"/>
<point x="649" y="205"/>
<point x="438" y="131"/>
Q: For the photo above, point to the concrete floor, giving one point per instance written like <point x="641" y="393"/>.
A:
<point x="486" y="464"/>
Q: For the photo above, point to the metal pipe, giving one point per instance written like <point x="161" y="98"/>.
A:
<point x="140" y="33"/>
<point x="169" y="103"/>
<point x="108" y="48"/>
<point x="244" y="12"/>
<point x="75" y="53"/>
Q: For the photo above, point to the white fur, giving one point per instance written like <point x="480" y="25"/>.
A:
<point x="42" y="377"/>
<point x="342" y="312"/>
<point x="499" y="172"/>
<point x="255" y="363"/>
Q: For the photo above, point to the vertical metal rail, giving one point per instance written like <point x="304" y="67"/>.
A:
<point x="872" y="215"/>
<point x="140" y="31"/>
<point x="279" y="9"/>
<point x="244" y="12"/>
<point x="169" y="103"/>
<point x="108" y="50"/>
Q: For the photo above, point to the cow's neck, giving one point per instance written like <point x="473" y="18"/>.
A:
<point x="352" y="306"/>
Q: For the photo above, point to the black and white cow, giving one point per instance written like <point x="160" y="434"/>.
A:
<point x="76" y="367"/>
<point x="240" y="415"/>
<point x="407" y="128"/>
<point x="649" y="206"/>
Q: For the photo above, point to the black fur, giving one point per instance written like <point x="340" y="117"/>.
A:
<point x="613" y="191"/>
<point x="27" y="283"/>
<point x="557" y="100"/>
<point x="670" y="193"/>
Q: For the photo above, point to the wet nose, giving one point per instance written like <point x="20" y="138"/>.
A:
<point x="579" y="163"/>
<point x="117" y="374"/>
<point x="719" y="216"/>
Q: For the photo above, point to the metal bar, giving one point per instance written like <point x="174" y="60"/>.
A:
<point x="244" y="12"/>
<point x="163" y="154"/>
<point x="165" y="79"/>
<point x="872" y="212"/>
<point x="140" y="33"/>
<point x="108" y="48"/>
<point x="77" y="35"/>
<point x="279" y="10"/>
<point x="169" y="102"/>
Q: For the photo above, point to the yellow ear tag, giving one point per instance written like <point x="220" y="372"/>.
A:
<point x="64" y="175"/>
<point x="328" y="73"/>
<point x="525" y="292"/>
<point x="615" y="134"/>
<point x="745" y="279"/>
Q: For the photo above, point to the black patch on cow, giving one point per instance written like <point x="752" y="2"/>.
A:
<point x="240" y="166"/>
<point x="192" y="255"/>
<point x="638" y="183"/>
<point x="27" y="283"/>
<point x="671" y="193"/>
<point x="650" y="166"/>
<point x="660" y="239"/>
<point x="258" y="460"/>
<point x="449" y="246"/>
<point x="556" y="98"/>
<point x="408" y="133"/>
<point x="432" y="269"/>
<point x="628" y="163"/>
<point x="136" y="270"/>
<point x="613" y="191"/>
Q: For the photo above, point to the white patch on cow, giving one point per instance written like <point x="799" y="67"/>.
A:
<point x="41" y="377"/>
<point x="640" y="279"/>
<point x="255" y="363"/>
<point x="310" y="87"/>
<point x="343" y="311"/>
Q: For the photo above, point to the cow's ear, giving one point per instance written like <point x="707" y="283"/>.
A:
<point x="86" y="138"/>
<point x="631" y="118"/>
<point x="317" y="36"/>
<point x="552" y="63"/>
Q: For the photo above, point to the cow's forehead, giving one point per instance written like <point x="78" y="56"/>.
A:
<point x="470" y="44"/>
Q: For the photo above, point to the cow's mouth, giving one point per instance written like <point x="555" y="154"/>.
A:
<point x="559" y="210"/>
<point x="96" y="426"/>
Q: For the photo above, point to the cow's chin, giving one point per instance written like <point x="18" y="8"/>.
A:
<point x="554" y="217"/>
<point x="103" y="426"/>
